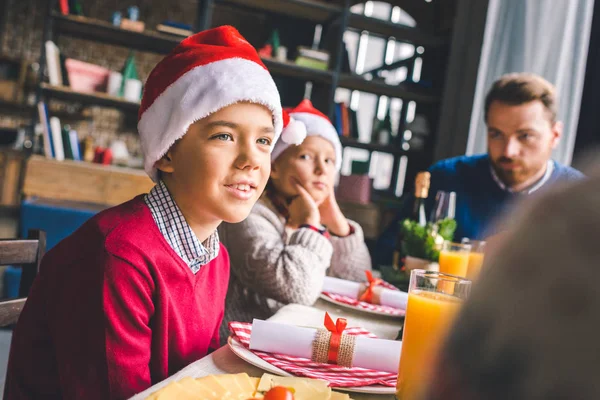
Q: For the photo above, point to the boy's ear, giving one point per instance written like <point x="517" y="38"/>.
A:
<point x="165" y="163"/>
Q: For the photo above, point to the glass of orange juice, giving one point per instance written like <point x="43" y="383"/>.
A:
<point x="434" y="298"/>
<point x="476" y="256"/>
<point x="454" y="258"/>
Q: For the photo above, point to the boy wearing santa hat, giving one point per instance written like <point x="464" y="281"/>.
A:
<point x="296" y="233"/>
<point x="138" y="292"/>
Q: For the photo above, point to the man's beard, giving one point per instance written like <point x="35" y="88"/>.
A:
<point x="513" y="176"/>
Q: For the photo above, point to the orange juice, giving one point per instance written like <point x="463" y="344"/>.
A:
<point x="454" y="262"/>
<point x="428" y="317"/>
<point x="475" y="262"/>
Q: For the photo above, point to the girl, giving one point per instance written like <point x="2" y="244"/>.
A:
<point x="296" y="234"/>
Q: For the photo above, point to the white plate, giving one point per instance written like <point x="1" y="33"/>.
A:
<point x="350" y="306"/>
<point x="251" y="358"/>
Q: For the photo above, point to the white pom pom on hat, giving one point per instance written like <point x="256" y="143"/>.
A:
<point x="314" y="123"/>
<point x="294" y="132"/>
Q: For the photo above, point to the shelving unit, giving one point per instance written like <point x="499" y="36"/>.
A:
<point x="337" y="15"/>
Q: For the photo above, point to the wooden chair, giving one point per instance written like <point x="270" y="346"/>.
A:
<point x="28" y="254"/>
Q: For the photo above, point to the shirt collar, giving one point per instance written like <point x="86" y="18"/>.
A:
<point x="177" y="232"/>
<point x="531" y="189"/>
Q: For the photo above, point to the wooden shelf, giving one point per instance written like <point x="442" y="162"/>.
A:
<point x="102" y="31"/>
<point x="390" y="149"/>
<point x="83" y="182"/>
<point x="99" y="99"/>
<point x="313" y="10"/>
<point x="296" y="71"/>
<point x="401" y="33"/>
<point x="24" y="108"/>
<point x="357" y="82"/>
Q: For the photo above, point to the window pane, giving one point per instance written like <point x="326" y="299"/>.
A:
<point x="351" y="41"/>
<point x="352" y="154"/>
<point x="381" y="170"/>
<point x="381" y="10"/>
<point x="375" y="52"/>
<point x="365" y="113"/>
<point x="358" y="8"/>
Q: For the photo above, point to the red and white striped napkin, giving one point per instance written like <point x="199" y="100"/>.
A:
<point x="336" y="376"/>
<point x="366" y="306"/>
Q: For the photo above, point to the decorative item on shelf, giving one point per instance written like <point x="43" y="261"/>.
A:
<point x="88" y="149"/>
<point x="64" y="7"/>
<point x="132" y="23"/>
<point x="266" y="51"/>
<point x="382" y="130"/>
<point x="312" y="58"/>
<point x="115" y="81"/>
<point x="281" y="54"/>
<point x="116" y="19"/>
<point x="119" y="152"/>
<point x="175" y="28"/>
<point x="85" y="77"/>
<point x="75" y="7"/>
<point x="102" y="155"/>
<point x="271" y="47"/>
<point x="354" y="188"/>
<point x="131" y="88"/>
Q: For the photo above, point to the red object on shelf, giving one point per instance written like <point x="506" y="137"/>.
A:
<point x="64" y="7"/>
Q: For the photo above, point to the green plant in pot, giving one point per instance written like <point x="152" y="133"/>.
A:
<point x="421" y="244"/>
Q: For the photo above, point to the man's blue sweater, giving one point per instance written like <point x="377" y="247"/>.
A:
<point x="479" y="199"/>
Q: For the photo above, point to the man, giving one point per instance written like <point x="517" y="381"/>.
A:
<point x="520" y="113"/>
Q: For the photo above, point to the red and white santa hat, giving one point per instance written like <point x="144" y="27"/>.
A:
<point x="206" y="72"/>
<point x="305" y="117"/>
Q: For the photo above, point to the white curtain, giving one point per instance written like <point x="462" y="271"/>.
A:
<point x="546" y="37"/>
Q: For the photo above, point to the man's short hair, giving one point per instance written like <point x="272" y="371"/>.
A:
<point x="520" y="88"/>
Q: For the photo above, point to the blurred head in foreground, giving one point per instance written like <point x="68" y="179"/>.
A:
<point x="530" y="328"/>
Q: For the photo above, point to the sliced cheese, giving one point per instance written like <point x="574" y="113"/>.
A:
<point x="209" y="387"/>
<point x="175" y="391"/>
<point x="240" y="386"/>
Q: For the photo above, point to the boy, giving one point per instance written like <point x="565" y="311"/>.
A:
<point x="137" y="293"/>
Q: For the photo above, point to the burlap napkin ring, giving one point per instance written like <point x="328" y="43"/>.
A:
<point x="332" y="346"/>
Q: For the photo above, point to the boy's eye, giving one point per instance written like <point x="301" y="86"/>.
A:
<point x="223" y="136"/>
<point x="265" y="141"/>
<point x="305" y="157"/>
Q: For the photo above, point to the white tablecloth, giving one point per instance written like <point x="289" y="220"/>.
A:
<point x="223" y="361"/>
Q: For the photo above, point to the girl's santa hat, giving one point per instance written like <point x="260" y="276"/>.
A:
<point x="315" y="123"/>
<point x="205" y="73"/>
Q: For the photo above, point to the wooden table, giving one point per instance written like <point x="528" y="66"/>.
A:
<point x="223" y="361"/>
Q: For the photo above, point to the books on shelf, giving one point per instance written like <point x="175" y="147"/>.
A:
<point x="312" y="58"/>
<point x="45" y="123"/>
<point x="59" y="142"/>
<point x="55" y="74"/>
<point x="55" y="128"/>
<point x="345" y="121"/>
<point x="311" y="63"/>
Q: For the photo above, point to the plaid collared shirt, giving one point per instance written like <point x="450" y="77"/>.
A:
<point x="177" y="231"/>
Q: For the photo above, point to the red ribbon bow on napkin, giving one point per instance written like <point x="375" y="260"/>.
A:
<point x="336" y="330"/>
<point x="367" y="296"/>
